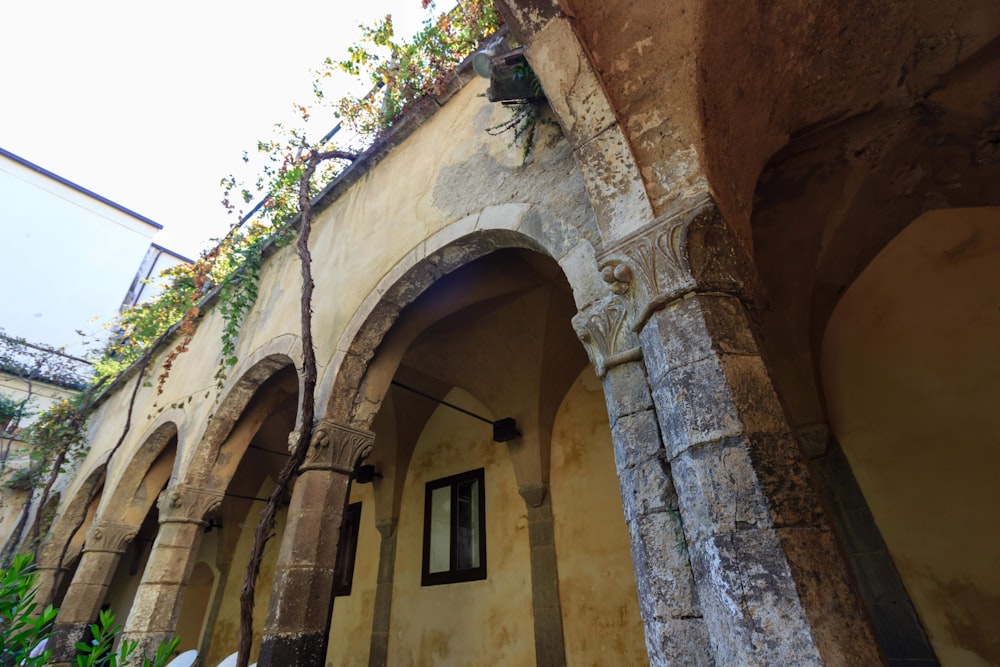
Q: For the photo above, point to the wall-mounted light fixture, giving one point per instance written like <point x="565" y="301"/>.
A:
<point x="512" y="80"/>
<point x="365" y="474"/>
<point x="504" y="430"/>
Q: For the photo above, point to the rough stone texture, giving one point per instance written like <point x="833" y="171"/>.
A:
<point x="550" y="647"/>
<point x="298" y="617"/>
<point x="675" y="631"/>
<point x="293" y="648"/>
<point x="158" y="600"/>
<point x="740" y="478"/>
<point x="83" y="599"/>
<point x="378" y="655"/>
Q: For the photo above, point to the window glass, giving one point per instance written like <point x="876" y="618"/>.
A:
<point x="440" y="556"/>
<point x="454" y="532"/>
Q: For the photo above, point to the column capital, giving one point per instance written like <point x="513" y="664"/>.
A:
<point x="685" y="251"/>
<point x="186" y="503"/>
<point x="386" y="527"/>
<point x="109" y="536"/>
<point x="605" y="329"/>
<point x="337" y="447"/>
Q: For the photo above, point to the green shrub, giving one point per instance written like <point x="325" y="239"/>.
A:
<point x="21" y="630"/>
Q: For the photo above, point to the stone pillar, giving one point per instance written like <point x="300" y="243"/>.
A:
<point x="773" y="587"/>
<point x="550" y="647"/>
<point x="298" y="618"/>
<point x="182" y="512"/>
<point x="378" y="656"/>
<point x="668" y="603"/>
<point x="106" y="542"/>
<point x="47" y="573"/>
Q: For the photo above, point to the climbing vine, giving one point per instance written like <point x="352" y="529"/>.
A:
<point x="294" y="171"/>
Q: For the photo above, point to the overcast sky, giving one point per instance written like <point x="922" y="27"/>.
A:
<point x="151" y="104"/>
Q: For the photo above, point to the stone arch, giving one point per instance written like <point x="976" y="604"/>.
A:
<point x="466" y="272"/>
<point x="826" y="204"/>
<point x="72" y="517"/>
<point x="911" y="378"/>
<point x="123" y="503"/>
<point x="347" y="392"/>
<point x="250" y="374"/>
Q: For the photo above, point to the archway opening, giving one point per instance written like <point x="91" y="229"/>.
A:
<point x="912" y="382"/>
<point x="482" y="545"/>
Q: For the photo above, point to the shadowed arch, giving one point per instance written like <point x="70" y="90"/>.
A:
<point x="353" y="393"/>
<point x="69" y="521"/>
<point x="247" y="378"/>
<point x="115" y="506"/>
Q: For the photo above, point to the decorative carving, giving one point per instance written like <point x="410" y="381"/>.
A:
<point x="607" y="335"/>
<point x="686" y="251"/>
<point x="109" y="536"/>
<point x="184" y="503"/>
<point x="337" y="447"/>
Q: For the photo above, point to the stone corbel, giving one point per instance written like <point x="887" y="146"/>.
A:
<point x="337" y="447"/>
<point x="682" y="252"/>
<point x="109" y="536"/>
<point x="184" y="503"/>
<point x="606" y="332"/>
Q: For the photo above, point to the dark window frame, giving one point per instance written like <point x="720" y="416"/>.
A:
<point x="453" y="575"/>
<point x="347" y="550"/>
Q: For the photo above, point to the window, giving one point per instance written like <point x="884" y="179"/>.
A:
<point x="454" y="529"/>
<point x="343" y="571"/>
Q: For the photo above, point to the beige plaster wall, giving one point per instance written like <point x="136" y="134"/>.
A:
<point x="126" y="579"/>
<point x="194" y="609"/>
<point x="600" y="606"/>
<point x="912" y="378"/>
<point x="226" y="630"/>
<point x="351" y="625"/>
<point x="448" y="171"/>
<point x="487" y="622"/>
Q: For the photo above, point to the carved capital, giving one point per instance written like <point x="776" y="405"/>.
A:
<point x="337" y="447"/>
<point x="687" y="251"/>
<point x="184" y="503"/>
<point x="109" y="536"/>
<point x="606" y="332"/>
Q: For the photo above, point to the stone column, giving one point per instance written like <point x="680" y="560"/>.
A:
<point x="668" y="603"/>
<point x="182" y="512"/>
<point x="47" y="573"/>
<point x="298" y="618"/>
<point x="773" y="587"/>
<point x="379" y="654"/>
<point x="550" y="647"/>
<point x="106" y="542"/>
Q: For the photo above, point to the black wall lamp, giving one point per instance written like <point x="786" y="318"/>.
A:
<point x="365" y="474"/>
<point x="512" y="80"/>
<point x="504" y="430"/>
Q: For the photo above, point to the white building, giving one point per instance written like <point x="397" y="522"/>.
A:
<point x="70" y="257"/>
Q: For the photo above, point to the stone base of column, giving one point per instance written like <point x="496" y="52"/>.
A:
<point x="63" y="641"/>
<point x="304" y="649"/>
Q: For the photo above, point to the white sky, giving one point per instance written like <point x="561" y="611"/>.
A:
<point x="151" y="104"/>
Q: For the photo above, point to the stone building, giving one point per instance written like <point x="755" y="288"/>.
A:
<point x="775" y="229"/>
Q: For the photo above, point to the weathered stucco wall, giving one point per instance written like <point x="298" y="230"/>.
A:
<point x="226" y="629"/>
<point x="912" y="379"/>
<point x="477" y="622"/>
<point x="351" y="625"/>
<point x="600" y="605"/>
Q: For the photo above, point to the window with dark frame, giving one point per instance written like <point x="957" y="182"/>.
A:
<point x="343" y="571"/>
<point x="455" y="529"/>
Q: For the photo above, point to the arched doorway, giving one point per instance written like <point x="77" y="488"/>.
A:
<point x="528" y="578"/>
<point x="911" y="376"/>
